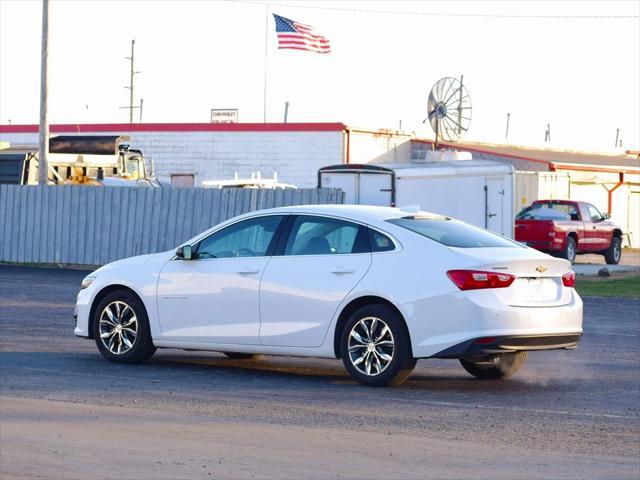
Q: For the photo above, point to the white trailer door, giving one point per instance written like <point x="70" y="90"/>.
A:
<point x="375" y="189"/>
<point x="495" y="211"/>
<point x="348" y="182"/>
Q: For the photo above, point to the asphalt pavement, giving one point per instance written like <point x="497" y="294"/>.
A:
<point x="65" y="412"/>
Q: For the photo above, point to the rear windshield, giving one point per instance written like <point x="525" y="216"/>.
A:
<point x="452" y="233"/>
<point x="549" y="211"/>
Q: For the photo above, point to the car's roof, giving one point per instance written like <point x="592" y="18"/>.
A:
<point x="362" y="213"/>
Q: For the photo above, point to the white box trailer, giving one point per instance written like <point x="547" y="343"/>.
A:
<point x="479" y="192"/>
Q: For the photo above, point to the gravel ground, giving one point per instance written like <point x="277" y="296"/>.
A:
<point x="67" y="413"/>
<point x="629" y="257"/>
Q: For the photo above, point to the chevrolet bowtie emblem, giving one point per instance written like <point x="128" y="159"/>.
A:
<point x="541" y="268"/>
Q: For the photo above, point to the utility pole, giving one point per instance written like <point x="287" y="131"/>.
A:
<point x="43" y="166"/>
<point x="141" y="102"/>
<point x="133" y="72"/>
<point x="506" y="133"/>
<point x="547" y="133"/>
<point x="617" y="135"/>
<point x="286" y="111"/>
<point x="131" y="58"/>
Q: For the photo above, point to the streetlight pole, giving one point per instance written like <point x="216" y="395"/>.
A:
<point x="43" y="166"/>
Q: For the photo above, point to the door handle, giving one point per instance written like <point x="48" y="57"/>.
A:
<point x="342" y="270"/>
<point x="248" y="271"/>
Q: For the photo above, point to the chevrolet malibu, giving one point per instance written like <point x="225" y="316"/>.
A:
<point x="377" y="287"/>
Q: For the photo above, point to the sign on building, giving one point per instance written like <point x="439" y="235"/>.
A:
<point x="224" y="115"/>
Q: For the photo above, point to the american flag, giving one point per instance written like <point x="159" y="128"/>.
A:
<point x="298" y="36"/>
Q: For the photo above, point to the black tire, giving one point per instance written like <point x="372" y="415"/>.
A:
<point x="241" y="356"/>
<point x="142" y="347"/>
<point x="613" y="254"/>
<point x="402" y="363"/>
<point x="569" y="251"/>
<point x="503" y="366"/>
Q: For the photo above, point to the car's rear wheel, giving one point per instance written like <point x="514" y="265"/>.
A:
<point x="497" y="367"/>
<point x="569" y="251"/>
<point x="375" y="347"/>
<point x="241" y="356"/>
<point x="121" y="328"/>
<point x="614" y="252"/>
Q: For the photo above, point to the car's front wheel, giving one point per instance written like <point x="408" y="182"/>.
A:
<point x="121" y="328"/>
<point x="497" y="367"/>
<point x="613" y="254"/>
<point x="375" y="347"/>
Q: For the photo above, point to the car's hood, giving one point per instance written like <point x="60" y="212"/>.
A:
<point x="137" y="260"/>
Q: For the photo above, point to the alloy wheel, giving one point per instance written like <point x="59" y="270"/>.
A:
<point x="371" y="346"/>
<point x="118" y="327"/>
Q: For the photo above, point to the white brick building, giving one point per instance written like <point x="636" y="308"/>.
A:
<point x="216" y="151"/>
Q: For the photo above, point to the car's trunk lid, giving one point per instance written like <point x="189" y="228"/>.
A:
<point x="538" y="280"/>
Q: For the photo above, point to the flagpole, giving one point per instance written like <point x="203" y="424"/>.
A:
<point x="266" y="41"/>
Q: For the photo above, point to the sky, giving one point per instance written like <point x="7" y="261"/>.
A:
<point x="567" y="64"/>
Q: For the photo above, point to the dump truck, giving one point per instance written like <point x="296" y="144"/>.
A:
<point x="79" y="160"/>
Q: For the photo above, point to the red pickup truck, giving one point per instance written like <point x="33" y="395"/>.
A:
<point x="566" y="228"/>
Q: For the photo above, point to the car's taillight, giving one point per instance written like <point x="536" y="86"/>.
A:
<point x="475" y="279"/>
<point x="569" y="279"/>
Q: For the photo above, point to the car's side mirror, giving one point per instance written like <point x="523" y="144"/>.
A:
<point x="184" y="252"/>
<point x="606" y="216"/>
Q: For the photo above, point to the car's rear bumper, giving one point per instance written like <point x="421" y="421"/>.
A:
<point x="440" y="323"/>
<point x="544" y="245"/>
<point x="483" y="347"/>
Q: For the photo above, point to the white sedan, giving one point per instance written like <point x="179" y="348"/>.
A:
<point x="377" y="287"/>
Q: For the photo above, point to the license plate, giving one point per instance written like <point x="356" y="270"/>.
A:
<point x="537" y="290"/>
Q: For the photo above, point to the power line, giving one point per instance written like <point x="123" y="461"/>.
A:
<point x="440" y="14"/>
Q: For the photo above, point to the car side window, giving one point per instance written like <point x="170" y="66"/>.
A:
<point x="380" y="242"/>
<point x="594" y="213"/>
<point x="311" y="235"/>
<point x="249" y="238"/>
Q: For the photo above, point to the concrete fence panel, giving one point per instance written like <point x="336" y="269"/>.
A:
<point x="94" y="226"/>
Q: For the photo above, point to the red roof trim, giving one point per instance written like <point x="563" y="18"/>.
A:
<point x="487" y="152"/>
<point x="589" y="168"/>
<point x="179" y="127"/>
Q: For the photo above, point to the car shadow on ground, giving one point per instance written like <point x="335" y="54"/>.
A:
<point x="167" y="370"/>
